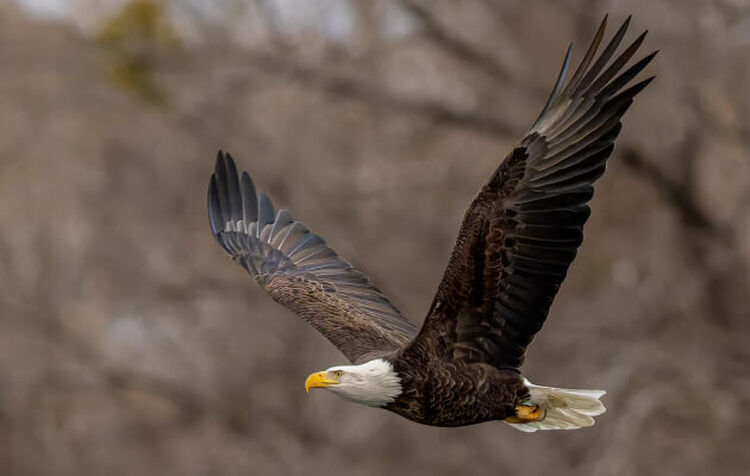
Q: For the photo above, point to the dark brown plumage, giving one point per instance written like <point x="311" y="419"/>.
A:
<point x="516" y="242"/>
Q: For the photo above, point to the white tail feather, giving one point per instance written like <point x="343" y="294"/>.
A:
<point x="565" y="409"/>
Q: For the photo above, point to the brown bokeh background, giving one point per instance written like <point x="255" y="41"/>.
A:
<point x="130" y="345"/>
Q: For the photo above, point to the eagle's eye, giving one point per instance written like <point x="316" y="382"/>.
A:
<point x="338" y="373"/>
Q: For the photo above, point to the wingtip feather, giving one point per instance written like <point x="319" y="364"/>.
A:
<point x="214" y="213"/>
<point x="557" y="89"/>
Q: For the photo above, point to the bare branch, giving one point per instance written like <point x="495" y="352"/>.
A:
<point x="464" y="51"/>
<point x="347" y="88"/>
<point x="454" y="45"/>
<point x="675" y="193"/>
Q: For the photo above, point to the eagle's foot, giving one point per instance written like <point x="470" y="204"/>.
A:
<point x="527" y="414"/>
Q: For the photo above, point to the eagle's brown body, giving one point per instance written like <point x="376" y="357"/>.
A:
<point x="516" y="242"/>
<point x="454" y="393"/>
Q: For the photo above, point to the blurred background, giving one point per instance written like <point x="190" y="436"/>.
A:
<point x="130" y="345"/>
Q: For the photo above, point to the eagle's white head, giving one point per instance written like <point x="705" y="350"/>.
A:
<point x="373" y="383"/>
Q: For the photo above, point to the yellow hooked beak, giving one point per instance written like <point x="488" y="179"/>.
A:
<point x="318" y="380"/>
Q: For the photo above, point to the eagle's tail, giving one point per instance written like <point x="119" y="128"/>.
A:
<point x="562" y="408"/>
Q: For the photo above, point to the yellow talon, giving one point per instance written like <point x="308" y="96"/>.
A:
<point x="527" y="414"/>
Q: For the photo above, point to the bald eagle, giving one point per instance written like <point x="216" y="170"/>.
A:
<point x="514" y="247"/>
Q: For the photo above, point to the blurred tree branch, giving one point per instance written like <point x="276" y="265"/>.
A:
<point x="676" y="193"/>
<point x="724" y="269"/>
<point x="347" y="88"/>
<point x="453" y="45"/>
<point x="680" y="193"/>
<point x="462" y="50"/>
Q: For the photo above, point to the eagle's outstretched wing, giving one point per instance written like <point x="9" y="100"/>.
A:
<point x="524" y="227"/>
<point x="299" y="270"/>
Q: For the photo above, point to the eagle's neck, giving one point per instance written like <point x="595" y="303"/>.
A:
<point x="374" y="383"/>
